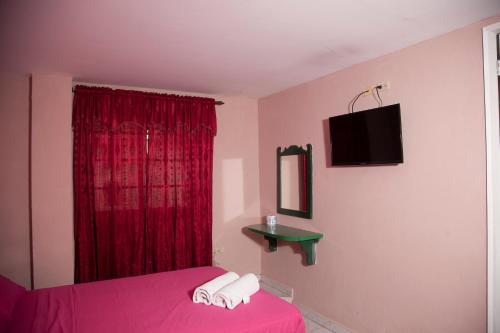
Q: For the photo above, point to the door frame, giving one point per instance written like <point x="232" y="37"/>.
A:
<point x="492" y="123"/>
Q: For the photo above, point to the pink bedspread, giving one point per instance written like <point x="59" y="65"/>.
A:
<point x="151" y="303"/>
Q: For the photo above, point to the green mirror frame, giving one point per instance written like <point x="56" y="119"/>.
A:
<point x="296" y="150"/>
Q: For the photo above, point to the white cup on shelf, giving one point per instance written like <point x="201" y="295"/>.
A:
<point x="271" y="220"/>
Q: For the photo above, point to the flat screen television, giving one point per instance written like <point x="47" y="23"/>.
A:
<point x="371" y="137"/>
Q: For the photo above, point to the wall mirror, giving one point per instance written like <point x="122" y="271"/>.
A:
<point x="295" y="181"/>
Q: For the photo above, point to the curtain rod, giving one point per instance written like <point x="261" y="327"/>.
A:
<point x="216" y="102"/>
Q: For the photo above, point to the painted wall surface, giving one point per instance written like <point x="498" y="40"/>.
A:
<point x="236" y="185"/>
<point x="14" y="195"/>
<point x="51" y="172"/>
<point x="404" y="246"/>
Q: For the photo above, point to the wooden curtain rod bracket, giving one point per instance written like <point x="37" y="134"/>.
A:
<point x="216" y="102"/>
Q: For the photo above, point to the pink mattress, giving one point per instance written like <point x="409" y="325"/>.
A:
<point x="151" y="303"/>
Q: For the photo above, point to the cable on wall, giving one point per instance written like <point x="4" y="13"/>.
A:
<point x="377" y="88"/>
<point x="356" y="98"/>
<point x="374" y="90"/>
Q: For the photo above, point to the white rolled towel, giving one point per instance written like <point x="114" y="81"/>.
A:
<point x="236" y="292"/>
<point x="205" y="292"/>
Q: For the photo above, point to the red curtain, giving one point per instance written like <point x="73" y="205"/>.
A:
<point x="142" y="182"/>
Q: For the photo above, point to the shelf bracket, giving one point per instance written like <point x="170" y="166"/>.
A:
<point x="273" y="243"/>
<point x="309" y="248"/>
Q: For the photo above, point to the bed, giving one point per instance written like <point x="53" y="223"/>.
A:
<point x="152" y="303"/>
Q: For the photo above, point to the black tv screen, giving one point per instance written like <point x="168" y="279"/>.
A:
<point x="367" y="137"/>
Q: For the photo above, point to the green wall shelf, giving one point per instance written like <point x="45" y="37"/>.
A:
<point x="272" y="234"/>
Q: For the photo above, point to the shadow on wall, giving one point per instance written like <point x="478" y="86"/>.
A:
<point x="233" y="189"/>
<point x="236" y="206"/>
<point x="301" y="256"/>
<point x="236" y="196"/>
<point x="237" y="250"/>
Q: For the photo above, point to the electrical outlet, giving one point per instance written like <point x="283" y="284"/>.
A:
<point x="215" y="254"/>
<point x="218" y="250"/>
<point x="385" y="85"/>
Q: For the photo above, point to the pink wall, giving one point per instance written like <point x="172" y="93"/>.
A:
<point x="405" y="246"/>
<point x="51" y="172"/>
<point x="14" y="196"/>
<point x="236" y="185"/>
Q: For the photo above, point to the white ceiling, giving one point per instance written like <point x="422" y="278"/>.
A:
<point x="253" y="47"/>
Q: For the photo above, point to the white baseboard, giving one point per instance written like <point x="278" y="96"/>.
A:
<point x="320" y="323"/>
<point x="315" y="321"/>
<point x="274" y="287"/>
